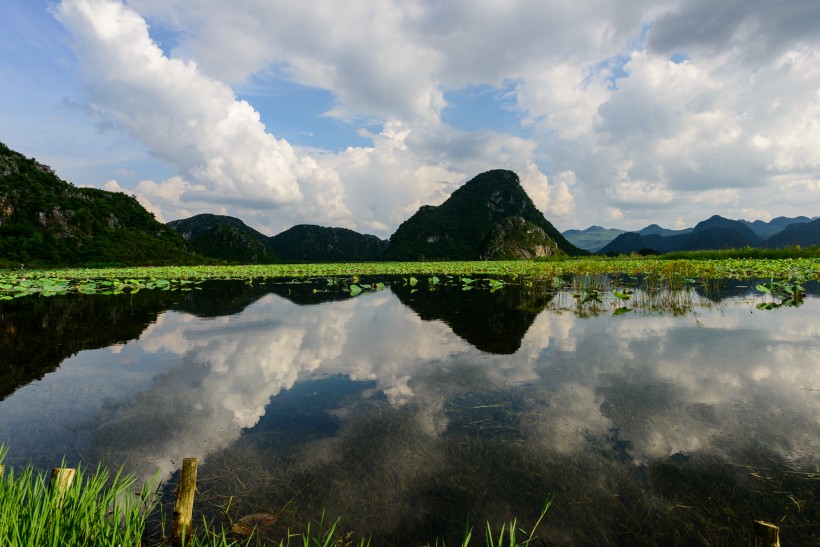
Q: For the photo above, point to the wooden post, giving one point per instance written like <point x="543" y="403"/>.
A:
<point x="61" y="480"/>
<point x="766" y="535"/>
<point x="184" y="504"/>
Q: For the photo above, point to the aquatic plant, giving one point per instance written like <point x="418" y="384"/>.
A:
<point x="790" y="292"/>
<point x="93" y="510"/>
<point x="21" y="282"/>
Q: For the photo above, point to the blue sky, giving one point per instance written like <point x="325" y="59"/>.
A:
<point x="354" y="114"/>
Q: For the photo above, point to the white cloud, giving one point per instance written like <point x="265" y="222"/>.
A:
<point x="594" y="82"/>
<point x="190" y="120"/>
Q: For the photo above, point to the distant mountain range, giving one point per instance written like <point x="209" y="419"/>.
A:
<point x="47" y="221"/>
<point x="714" y="233"/>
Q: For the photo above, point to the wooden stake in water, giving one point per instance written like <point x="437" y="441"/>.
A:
<point x="766" y="535"/>
<point x="184" y="505"/>
<point x="61" y="480"/>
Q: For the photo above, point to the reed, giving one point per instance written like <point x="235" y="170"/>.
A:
<point x="95" y="510"/>
<point x="104" y="510"/>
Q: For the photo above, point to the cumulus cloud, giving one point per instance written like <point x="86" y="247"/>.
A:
<point x="196" y="123"/>
<point x="648" y="104"/>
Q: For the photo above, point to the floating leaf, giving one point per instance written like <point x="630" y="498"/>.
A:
<point x="355" y="289"/>
<point x="622" y="295"/>
<point x="248" y="524"/>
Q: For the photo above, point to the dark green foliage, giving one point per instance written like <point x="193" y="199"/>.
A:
<point x="45" y="220"/>
<point x="310" y="243"/>
<point x="227" y="242"/>
<point x="456" y="229"/>
<point x="225" y="238"/>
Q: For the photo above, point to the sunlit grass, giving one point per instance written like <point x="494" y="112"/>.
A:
<point x="101" y="510"/>
<point x="95" y="510"/>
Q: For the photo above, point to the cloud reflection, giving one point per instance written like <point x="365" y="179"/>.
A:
<point x="715" y="382"/>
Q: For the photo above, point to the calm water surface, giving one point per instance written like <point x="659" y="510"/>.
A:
<point x="410" y="412"/>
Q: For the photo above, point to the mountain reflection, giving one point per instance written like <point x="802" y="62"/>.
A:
<point x="368" y="407"/>
<point x="37" y="334"/>
<point x="492" y="322"/>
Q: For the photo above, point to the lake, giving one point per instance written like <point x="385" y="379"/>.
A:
<point x="418" y="407"/>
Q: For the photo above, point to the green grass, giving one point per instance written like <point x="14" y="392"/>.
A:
<point x="95" y="510"/>
<point x="746" y="252"/>
<point x="105" y="510"/>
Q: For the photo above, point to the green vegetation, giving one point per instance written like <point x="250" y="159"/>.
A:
<point x="225" y="238"/>
<point x="45" y="220"/>
<point x="311" y="243"/>
<point x="95" y="510"/>
<point x="785" y="253"/>
<point x="457" y="229"/>
<point x="101" y="510"/>
<point x="19" y="283"/>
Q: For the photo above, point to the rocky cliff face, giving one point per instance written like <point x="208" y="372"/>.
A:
<point x="516" y="238"/>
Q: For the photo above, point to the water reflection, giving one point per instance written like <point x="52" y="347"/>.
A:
<point x="394" y="412"/>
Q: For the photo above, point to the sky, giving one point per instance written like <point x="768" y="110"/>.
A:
<point x="354" y="114"/>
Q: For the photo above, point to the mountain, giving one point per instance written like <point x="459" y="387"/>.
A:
<point x="310" y="243"/>
<point x="225" y="238"/>
<point x="654" y="229"/>
<point x="715" y="232"/>
<point x="461" y="227"/>
<point x="593" y="238"/>
<point x="803" y="234"/>
<point x="46" y="220"/>
<point x="515" y="238"/>
<point x="765" y="230"/>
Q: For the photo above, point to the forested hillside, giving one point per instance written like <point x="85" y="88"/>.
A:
<point x="46" y="220"/>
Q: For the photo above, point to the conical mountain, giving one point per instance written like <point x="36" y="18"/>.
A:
<point x="460" y="228"/>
